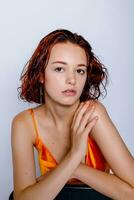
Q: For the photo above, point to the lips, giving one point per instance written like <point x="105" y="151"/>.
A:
<point x="69" y="92"/>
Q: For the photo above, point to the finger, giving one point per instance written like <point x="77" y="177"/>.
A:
<point x="79" y="116"/>
<point x="86" y="118"/>
<point x="75" y="115"/>
<point x="90" y="125"/>
<point x="79" y="109"/>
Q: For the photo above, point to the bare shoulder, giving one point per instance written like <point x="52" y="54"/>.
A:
<point x="104" y="122"/>
<point x="98" y="104"/>
<point x="21" y="116"/>
<point x="21" y="120"/>
<point x="100" y="109"/>
<point x="22" y="125"/>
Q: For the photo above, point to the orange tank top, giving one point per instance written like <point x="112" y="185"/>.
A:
<point x="47" y="162"/>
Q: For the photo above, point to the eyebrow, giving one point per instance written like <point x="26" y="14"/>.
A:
<point x="64" y="63"/>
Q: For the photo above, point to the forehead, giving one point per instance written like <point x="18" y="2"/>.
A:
<point x="68" y="52"/>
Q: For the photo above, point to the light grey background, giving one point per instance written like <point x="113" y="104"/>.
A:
<point x="107" y="25"/>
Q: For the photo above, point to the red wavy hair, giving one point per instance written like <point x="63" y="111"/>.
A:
<point x="97" y="75"/>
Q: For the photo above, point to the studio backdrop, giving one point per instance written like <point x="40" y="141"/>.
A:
<point x="107" y="25"/>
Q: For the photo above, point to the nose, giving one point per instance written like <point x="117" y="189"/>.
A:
<point x="71" y="79"/>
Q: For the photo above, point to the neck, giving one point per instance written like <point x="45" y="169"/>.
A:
<point x="60" y="115"/>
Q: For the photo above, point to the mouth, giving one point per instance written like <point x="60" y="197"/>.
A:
<point x="69" y="92"/>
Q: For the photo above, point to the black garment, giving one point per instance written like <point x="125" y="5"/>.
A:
<point x="77" y="192"/>
<point x="11" y="196"/>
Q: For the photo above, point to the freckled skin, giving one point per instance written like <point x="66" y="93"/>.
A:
<point x="54" y="121"/>
<point x="69" y="77"/>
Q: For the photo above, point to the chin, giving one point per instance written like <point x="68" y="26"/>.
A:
<point x="69" y="102"/>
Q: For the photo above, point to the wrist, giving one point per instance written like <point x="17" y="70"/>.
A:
<point x="76" y="173"/>
<point x="74" y="156"/>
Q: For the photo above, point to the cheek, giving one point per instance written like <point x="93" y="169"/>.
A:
<point x="49" y="83"/>
<point x="52" y="84"/>
<point x="48" y="78"/>
<point x="82" y="82"/>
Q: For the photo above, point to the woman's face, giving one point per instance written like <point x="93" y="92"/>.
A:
<point x="65" y="73"/>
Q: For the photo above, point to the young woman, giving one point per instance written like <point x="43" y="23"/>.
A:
<point x="77" y="142"/>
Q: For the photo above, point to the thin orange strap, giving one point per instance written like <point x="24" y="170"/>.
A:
<point x="34" y="121"/>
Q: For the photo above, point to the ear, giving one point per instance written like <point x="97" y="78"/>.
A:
<point x="41" y="79"/>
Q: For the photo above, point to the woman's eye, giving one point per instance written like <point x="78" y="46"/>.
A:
<point x="81" y="71"/>
<point x="59" y="69"/>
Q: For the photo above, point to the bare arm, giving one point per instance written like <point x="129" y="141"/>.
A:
<point x="107" y="184"/>
<point x="119" y="185"/>
<point x="25" y="185"/>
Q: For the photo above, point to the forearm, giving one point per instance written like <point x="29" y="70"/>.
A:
<point x="52" y="184"/>
<point x="107" y="184"/>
